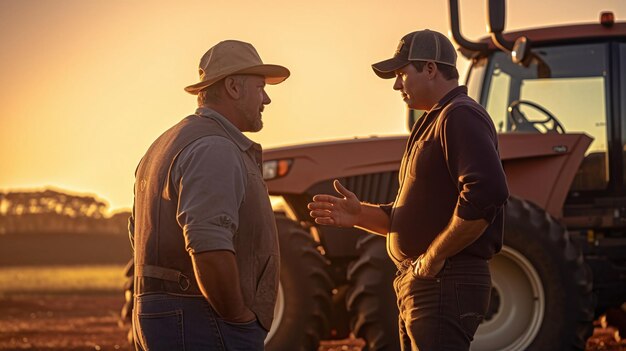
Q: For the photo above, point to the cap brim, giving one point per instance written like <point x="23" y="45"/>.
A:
<point x="273" y="74"/>
<point x="387" y="69"/>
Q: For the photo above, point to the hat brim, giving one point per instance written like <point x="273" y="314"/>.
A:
<point x="387" y="69"/>
<point x="274" y="74"/>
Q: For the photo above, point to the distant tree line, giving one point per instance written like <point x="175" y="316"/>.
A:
<point x="51" y="211"/>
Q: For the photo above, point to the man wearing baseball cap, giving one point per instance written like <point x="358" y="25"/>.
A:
<point x="447" y="219"/>
<point x="205" y="242"/>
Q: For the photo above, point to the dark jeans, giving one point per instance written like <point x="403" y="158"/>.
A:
<point x="443" y="312"/>
<point x="170" y="322"/>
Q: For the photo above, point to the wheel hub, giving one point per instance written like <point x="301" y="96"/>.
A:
<point x="518" y="305"/>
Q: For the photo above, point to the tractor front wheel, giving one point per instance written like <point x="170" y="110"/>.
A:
<point x="371" y="299"/>
<point x="304" y="296"/>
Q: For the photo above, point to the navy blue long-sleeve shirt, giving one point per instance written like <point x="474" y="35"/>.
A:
<point x="451" y="167"/>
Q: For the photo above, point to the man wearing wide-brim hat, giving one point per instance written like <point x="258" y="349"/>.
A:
<point x="199" y="248"/>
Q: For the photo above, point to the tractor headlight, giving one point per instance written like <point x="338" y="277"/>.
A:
<point x="276" y="168"/>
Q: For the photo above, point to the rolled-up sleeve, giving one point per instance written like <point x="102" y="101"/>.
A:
<point x="470" y="146"/>
<point x="210" y="179"/>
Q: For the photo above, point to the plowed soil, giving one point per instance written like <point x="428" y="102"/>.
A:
<point x="90" y="321"/>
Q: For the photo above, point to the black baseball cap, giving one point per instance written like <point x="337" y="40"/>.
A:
<point x="423" y="45"/>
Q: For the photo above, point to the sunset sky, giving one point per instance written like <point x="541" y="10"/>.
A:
<point x="87" y="85"/>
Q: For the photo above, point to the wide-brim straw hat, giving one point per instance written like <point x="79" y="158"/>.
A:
<point x="234" y="57"/>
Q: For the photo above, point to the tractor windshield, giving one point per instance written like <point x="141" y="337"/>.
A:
<point x="562" y="90"/>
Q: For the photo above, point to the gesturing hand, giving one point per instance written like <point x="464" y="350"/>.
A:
<point x="338" y="211"/>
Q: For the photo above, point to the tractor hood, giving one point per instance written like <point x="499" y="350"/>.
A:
<point x="539" y="167"/>
<point x="312" y="163"/>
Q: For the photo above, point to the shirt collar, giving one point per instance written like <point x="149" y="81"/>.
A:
<point x="461" y="89"/>
<point x="242" y="141"/>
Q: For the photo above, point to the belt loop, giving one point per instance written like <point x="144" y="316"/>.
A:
<point x="183" y="278"/>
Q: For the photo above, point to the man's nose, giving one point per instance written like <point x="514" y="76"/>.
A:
<point x="397" y="85"/>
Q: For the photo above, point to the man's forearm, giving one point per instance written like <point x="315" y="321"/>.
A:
<point x="373" y="219"/>
<point x="218" y="276"/>
<point x="458" y="235"/>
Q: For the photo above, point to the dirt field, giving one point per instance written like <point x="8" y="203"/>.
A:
<point x="57" y="304"/>
<point x="61" y="322"/>
<point x="89" y="321"/>
<point x="64" y="292"/>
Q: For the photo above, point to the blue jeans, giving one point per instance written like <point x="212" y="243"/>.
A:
<point x="443" y="312"/>
<point x="171" y="322"/>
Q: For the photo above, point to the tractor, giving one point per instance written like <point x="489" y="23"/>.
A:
<point x="557" y="96"/>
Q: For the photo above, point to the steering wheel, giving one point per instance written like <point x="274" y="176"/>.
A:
<point x="522" y="124"/>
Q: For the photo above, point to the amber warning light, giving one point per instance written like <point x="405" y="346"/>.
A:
<point x="607" y="18"/>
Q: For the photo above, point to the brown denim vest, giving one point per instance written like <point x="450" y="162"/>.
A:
<point x="158" y="239"/>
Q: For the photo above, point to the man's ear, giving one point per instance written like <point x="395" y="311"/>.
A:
<point x="232" y="88"/>
<point x="431" y="69"/>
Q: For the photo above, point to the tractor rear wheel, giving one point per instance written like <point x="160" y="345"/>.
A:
<point x="304" y="296"/>
<point x="541" y="297"/>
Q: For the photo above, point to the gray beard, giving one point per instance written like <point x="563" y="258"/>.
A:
<point x="256" y="123"/>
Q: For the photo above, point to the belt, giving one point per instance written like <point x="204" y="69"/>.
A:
<point x="163" y="273"/>
<point x="410" y="262"/>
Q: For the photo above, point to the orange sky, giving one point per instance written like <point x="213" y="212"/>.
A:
<point x="87" y="85"/>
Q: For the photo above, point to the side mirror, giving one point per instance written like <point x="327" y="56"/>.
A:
<point x="521" y="48"/>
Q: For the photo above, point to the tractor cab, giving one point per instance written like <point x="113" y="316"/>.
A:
<point x="561" y="80"/>
<point x="546" y="86"/>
